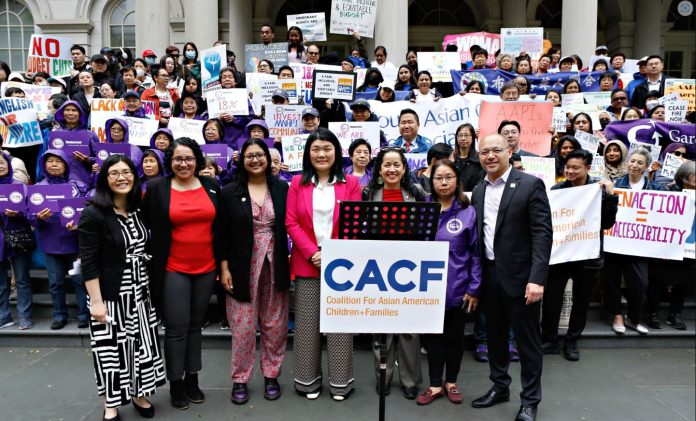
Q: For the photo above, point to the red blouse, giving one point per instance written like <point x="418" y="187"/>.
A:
<point x="191" y="214"/>
<point x="392" y="195"/>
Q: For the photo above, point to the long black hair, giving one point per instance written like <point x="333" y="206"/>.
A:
<point x="242" y="176"/>
<point x="459" y="190"/>
<point x="308" y="171"/>
<point x="104" y="197"/>
<point x="300" y="47"/>
<point x="188" y="143"/>
<point x="407" y="185"/>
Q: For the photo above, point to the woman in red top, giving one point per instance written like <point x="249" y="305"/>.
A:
<point x="182" y="213"/>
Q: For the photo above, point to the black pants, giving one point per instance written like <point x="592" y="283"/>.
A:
<point x="503" y="311"/>
<point x="186" y="299"/>
<point x="584" y="281"/>
<point x="635" y="274"/>
<point x="671" y="277"/>
<point x="446" y="349"/>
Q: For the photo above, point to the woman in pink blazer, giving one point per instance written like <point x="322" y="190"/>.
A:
<point x="312" y="218"/>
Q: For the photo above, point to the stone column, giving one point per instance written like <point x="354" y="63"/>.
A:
<point x="579" y="28"/>
<point x="648" y="30"/>
<point x="391" y="30"/>
<point x="514" y="14"/>
<point x="201" y="19"/>
<point x="240" y="28"/>
<point x="151" y="26"/>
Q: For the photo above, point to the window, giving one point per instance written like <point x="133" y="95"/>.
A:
<point x="16" y="27"/>
<point x="673" y="63"/>
<point x="122" y="25"/>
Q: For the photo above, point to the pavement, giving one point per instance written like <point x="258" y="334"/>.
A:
<point x="606" y="384"/>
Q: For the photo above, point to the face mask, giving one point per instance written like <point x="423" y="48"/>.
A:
<point x="190" y="55"/>
<point x="604" y="122"/>
<point x="150" y="60"/>
<point x="139" y="72"/>
<point x="651" y="104"/>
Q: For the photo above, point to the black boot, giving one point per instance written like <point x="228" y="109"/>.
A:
<point x="193" y="392"/>
<point x="178" y="395"/>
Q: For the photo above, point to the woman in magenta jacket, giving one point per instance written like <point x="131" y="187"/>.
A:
<point x="311" y="218"/>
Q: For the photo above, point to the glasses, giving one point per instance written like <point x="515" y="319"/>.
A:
<point x="495" y="151"/>
<point x="620" y="98"/>
<point x="312" y="53"/>
<point x="255" y="156"/>
<point x="448" y="179"/>
<point x="180" y="160"/>
<point x="115" y="175"/>
<point x="463" y="135"/>
<point x="264" y="66"/>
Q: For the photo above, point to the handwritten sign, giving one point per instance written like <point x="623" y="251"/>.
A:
<point x="589" y="142"/>
<point x="559" y="119"/>
<point x="675" y="111"/>
<point x="260" y="87"/>
<point x="439" y="64"/>
<point x="597" y="169"/>
<point x="334" y="85"/>
<point x="37" y="93"/>
<point x="349" y="16"/>
<point x="602" y="99"/>
<point x="670" y="165"/>
<point x="576" y="220"/>
<point x="313" y="25"/>
<point x="227" y="101"/>
<point x="572" y="99"/>
<point x="293" y="150"/>
<point x="284" y="120"/>
<point x="514" y="40"/>
<point x="50" y="54"/>
<point x="103" y="109"/>
<point x="276" y="52"/>
<point x="686" y="88"/>
<point x="212" y="61"/>
<point x="489" y="41"/>
<point x="347" y="132"/>
<point x="544" y="168"/>
<point x="182" y="127"/>
<point x="20" y="118"/>
<point x="140" y="130"/>
<point x="534" y="118"/>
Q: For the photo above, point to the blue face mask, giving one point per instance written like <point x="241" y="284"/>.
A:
<point x="190" y="55"/>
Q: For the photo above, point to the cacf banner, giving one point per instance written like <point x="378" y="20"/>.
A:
<point x="534" y="118"/>
<point x="349" y="16"/>
<point x="50" y="54"/>
<point x="212" y="61"/>
<point x="20" y="117"/>
<point x="576" y="215"/>
<point x="651" y="223"/>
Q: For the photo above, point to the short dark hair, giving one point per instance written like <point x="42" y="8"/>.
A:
<point x="548" y="56"/>
<point x="473" y="83"/>
<point x="608" y="74"/>
<point x="409" y="111"/>
<point x="472" y="131"/>
<point x="58" y="100"/>
<point x="473" y="48"/>
<point x="188" y="143"/>
<point x="652" y="56"/>
<point x="439" y="151"/>
<point x="653" y="94"/>
<point x="13" y="90"/>
<point x="479" y="52"/>
<point x="286" y="67"/>
<point x="308" y="171"/>
<point x="269" y="26"/>
<point x="586" y="156"/>
<point x="451" y="48"/>
<point x="613" y="56"/>
<point x="568" y="83"/>
<point x="78" y="47"/>
<point x="381" y="47"/>
<point x="458" y="192"/>
<point x="618" y="91"/>
<point x="128" y="69"/>
<point x="424" y="72"/>
<point x="103" y="196"/>
<point x="358" y="142"/>
<point x="507" y="123"/>
<point x="508" y="86"/>
<point x="600" y="61"/>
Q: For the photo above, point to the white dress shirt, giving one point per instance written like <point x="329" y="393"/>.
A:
<point x="323" y="202"/>
<point x="493" y="194"/>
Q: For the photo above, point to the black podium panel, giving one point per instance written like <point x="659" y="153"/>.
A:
<point x="405" y="221"/>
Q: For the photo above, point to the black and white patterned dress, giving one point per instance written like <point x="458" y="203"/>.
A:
<point x="127" y="355"/>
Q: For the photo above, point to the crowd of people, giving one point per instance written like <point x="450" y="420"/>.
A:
<point x="257" y="229"/>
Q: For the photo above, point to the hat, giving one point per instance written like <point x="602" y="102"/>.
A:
<point x="643" y="60"/>
<point x="360" y="103"/>
<point x="567" y="58"/>
<point x="310" y="111"/>
<point x="106" y="50"/>
<point x="15" y="76"/>
<point x="601" y="48"/>
<point x="148" y="53"/>
<point x="97" y="57"/>
<point x="389" y="84"/>
<point x="280" y="93"/>
<point x="131" y="94"/>
<point x="57" y="79"/>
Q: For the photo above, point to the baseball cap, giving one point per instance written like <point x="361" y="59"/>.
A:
<point x="106" y="50"/>
<point x="643" y="59"/>
<point x="310" y="111"/>
<point x="58" y="80"/>
<point x="131" y="94"/>
<point x="280" y="93"/>
<point x="360" y="103"/>
<point x="389" y="84"/>
<point x="98" y="57"/>
<point x="148" y="53"/>
<point x="601" y="48"/>
<point x="567" y="58"/>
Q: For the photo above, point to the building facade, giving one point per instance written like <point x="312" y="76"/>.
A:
<point x="634" y="27"/>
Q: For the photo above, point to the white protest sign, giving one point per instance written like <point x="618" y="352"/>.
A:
<point x="572" y="99"/>
<point x="674" y="96"/>
<point x="212" y="61"/>
<point x="416" y="161"/>
<point x="50" y="54"/>
<point x="602" y="99"/>
<point x="227" y="101"/>
<point x="670" y="165"/>
<point x="140" y="130"/>
<point x="597" y="169"/>
<point x="372" y="286"/>
<point x="103" y="109"/>
<point x="293" y="88"/>
<point x="284" y="120"/>
<point x="334" y="85"/>
<point x="184" y="127"/>
<point x="349" y="16"/>
<point x="653" y="149"/>
<point x="313" y="25"/>
<point x="37" y="93"/>
<point x="347" y="132"/>
<point x="21" y="127"/>
<point x="651" y="223"/>
<point x="675" y="111"/>
<point x="630" y="66"/>
<point x="589" y="142"/>
<point x="576" y="216"/>
<point x="559" y="119"/>
<point x="261" y="87"/>
<point x="293" y="150"/>
<point x="514" y="40"/>
<point x="439" y="64"/>
<point x="544" y="168"/>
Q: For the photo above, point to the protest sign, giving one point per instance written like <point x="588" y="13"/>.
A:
<point x="276" y="52"/>
<point x="13" y="197"/>
<point x="388" y="294"/>
<point x="71" y="141"/>
<point x="589" y="142"/>
<point x="653" y="149"/>
<point x="416" y="161"/>
<point x="674" y="96"/>
<point x="213" y="60"/>
<point x="494" y="79"/>
<point x="260" y="86"/>
<point x="140" y="130"/>
<point x="439" y="64"/>
<point x="534" y="118"/>
<point x="349" y="16"/>
<point x="576" y="216"/>
<point x="651" y="223"/>
<point x="227" y="101"/>
<point x="597" y="169"/>
<point x="37" y="93"/>
<point x="333" y="85"/>
<point x="20" y="118"/>
<point x="46" y="196"/>
<point x="560" y="119"/>
<point x="544" y="168"/>
<point x="70" y="209"/>
<point x="50" y="54"/>
<point x="103" y="109"/>
<point x="686" y="88"/>
<point x="292" y="88"/>
<point x="670" y="165"/>
<point x="571" y="99"/>
<point x="293" y="150"/>
<point x="675" y="111"/>
<point x="284" y="120"/>
<point x="303" y="75"/>
<point x="218" y="153"/>
<point x="105" y="150"/>
<point x="651" y="131"/>
<point x="183" y="127"/>
<point x="313" y="25"/>
<point x="489" y="41"/>
<point x="529" y="40"/>
<point x="602" y="99"/>
<point x="690" y="242"/>
<point x="347" y="132"/>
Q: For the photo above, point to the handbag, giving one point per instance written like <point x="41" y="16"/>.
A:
<point x="21" y="239"/>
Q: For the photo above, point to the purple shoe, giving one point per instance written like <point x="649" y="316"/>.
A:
<point x="271" y="389"/>
<point x="481" y="353"/>
<point x="240" y="393"/>
<point x="514" y="355"/>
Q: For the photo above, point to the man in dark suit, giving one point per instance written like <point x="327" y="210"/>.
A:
<point x="512" y="132"/>
<point x="515" y="236"/>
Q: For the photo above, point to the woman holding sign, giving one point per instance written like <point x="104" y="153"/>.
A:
<point x="312" y="218"/>
<point x="117" y="132"/>
<point x="123" y="329"/>
<point x="424" y="93"/>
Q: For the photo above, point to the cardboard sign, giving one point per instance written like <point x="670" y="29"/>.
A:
<point x="284" y="120"/>
<point x="589" y="142"/>
<point x="71" y="209"/>
<point x="13" y="197"/>
<point x="544" y="168"/>
<point x="182" y="127"/>
<point x="576" y="219"/>
<point x="227" y="101"/>
<point x="140" y="130"/>
<point x="46" y="196"/>
<point x="20" y="118"/>
<point x="293" y="150"/>
<point x="383" y="286"/>
<point x="50" y="54"/>
<point x="534" y="118"/>
<point x="347" y="132"/>
<point x="686" y="88"/>
<point x="37" y="93"/>
<point x="103" y="109"/>
<point x="560" y="119"/>
<point x="334" y="85"/>
<point x="105" y="150"/>
<point x="213" y="60"/>
<point x="349" y="16"/>
<point x="602" y="99"/>
<point x="218" y="153"/>
<point x="675" y="111"/>
<point x="653" y="149"/>
<point x="572" y="99"/>
<point x="276" y="52"/>
<point x="313" y="25"/>
<point x="439" y="64"/>
<point x="489" y="41"/>
<point x="529" y="40"/>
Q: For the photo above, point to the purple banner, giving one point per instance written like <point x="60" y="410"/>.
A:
<point x="218" y="153"/>
<point x="71" y="209"/>
<point x="13" y="197"/>
<point x="104" y="150"/>
<point x="57" y="139"/>
<point x="653" y="132"/>
<point x="46" y="196"/>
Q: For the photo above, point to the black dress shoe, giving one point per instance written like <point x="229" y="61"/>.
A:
<point x="654" y="321"/>
<point x="410" y="392"/>
<point x="491" y="398"/>
<point x="148" y="412"/>
<point x="676" y="321"/>
<point x="526" y="413"/>
<point x="116" y="418"/>
<point x="551" y="348"/>
<point x="570" y="351"/>
<point x="58" y="324"/>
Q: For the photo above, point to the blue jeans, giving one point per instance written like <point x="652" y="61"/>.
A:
<point x="21" y="264"/>
<point x="58" y="266"/>
<point x="5" y="314"/>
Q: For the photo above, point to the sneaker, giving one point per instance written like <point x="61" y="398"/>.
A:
<point x="224" y="325"/>
<point x="570" y="351"/>
<point x="654" y="321"/>
<point x="25" y="324"/>
<point x="481" y="353"/>
<point x="514" y="354"/>
<point x="7" y="324"/>
<point x="551" y="348"/>
<point x="676" y="321"/>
